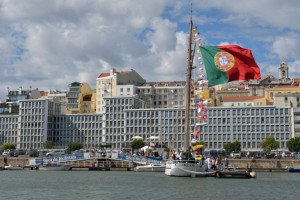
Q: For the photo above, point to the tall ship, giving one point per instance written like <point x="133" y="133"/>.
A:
<point x="222" y="64"/>
<point x="187" y="166"/>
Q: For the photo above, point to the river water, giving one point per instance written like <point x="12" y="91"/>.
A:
<point x="120" y="185"/>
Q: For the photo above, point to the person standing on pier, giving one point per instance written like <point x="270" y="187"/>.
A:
<point x="4" y="161"/>
<point x="226" y="162"/>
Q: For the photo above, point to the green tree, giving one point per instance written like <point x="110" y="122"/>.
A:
<point x="75" y="146"/>
<point x="48" y="144"/>
<point x="269" y="143"/>
<point x="8" y="145"/>
<point x="293" y="145"/>
<point x="232" y="146"/>
<point x="137" y="144"/>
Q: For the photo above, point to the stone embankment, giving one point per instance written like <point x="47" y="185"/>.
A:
<point x="258" y="165"/>
<point x="265" y="164"/>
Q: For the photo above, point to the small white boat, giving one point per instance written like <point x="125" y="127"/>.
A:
<point x="152" y="167"/>
<point x="187" y="168"/>
<point x="10" y="167"/>
<point x="55" y="167"/>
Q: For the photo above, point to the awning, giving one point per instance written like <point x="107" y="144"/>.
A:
<point x="137" y="137"/>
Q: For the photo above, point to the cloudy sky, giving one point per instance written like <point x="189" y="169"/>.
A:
<point x="48" y="44"/>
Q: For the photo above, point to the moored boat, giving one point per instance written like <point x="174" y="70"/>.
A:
<point x="10" y="167"/>
<point x="188" y="166"/>
<point x="293" y="169"/>
<point x="235" y="174"/>
<point x="152" y="167"/>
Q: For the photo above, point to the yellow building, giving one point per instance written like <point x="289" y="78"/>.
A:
<point x="242" y="101"/>
<point x="77" y="97"/>
<point x="271" y="92"/>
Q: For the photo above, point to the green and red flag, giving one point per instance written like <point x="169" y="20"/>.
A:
<point x="228" y="63"/>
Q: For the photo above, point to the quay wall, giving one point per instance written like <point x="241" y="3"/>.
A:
<point x="267" y="164"/>
<point x="264" y="164"/>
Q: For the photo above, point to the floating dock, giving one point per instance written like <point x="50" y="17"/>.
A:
<point x="235" y="174"/>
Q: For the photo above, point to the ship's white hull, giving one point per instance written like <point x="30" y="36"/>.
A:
<point x="151" y="168"/>
<point x="187" y="169"/>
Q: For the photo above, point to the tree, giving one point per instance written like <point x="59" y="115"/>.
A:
<point x="269" y="143"/>
<point x="293" y="145"/>
<point x="8" y="145"/>
<point x="232" y="146"/>
<point x="48" y="144"/>
<point x="137" y="144"/>
<point x="75" y="146"/>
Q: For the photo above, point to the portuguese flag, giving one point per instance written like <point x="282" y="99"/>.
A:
<point x="228" y="63"/>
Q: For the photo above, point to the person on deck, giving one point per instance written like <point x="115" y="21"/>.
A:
<point x="219" y="163"/>
<point x="208" y="161"/>
<point x="213" y="163"/>
<point x="226" y="162"/>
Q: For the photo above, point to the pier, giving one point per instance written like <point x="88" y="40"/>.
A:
<point x="106" y="164"/>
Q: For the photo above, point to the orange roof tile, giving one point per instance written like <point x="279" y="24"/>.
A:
<point x="105" y="74"/>
<point x="102" y="75"/>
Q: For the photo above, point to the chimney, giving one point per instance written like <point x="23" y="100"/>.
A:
<point x="112" y="71"/>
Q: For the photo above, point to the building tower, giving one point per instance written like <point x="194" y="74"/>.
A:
<point x="283" y="71"/>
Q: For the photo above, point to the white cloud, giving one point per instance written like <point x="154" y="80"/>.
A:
<point x="287" y="46"/>
<point x="51" y="43"/>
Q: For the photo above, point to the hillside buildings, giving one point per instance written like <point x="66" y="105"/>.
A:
<point x="124" y="105"/>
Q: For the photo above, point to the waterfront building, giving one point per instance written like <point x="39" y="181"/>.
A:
<point x="76" y="97"/>
<point x="258" y="87"/>
<point x="33" y="122"/>
<point x="291" y="100"/>
<point x="270" y="93"/>
<point x="248" y="125"/>
<point x="162" y="94"/>
<point x="20" y="94"/>
<point x="8" y="128"/>
<point x="9" y="108"/>
<point x="83" y="128"/>
<point x="107" y="85"/>
<point x="244" y="101"/>
<point x="232" y="89"/>
<point x="114" y="123"/>
<point x="127" y="106"/>
<point x="57" y="96"/>
<point x="125" y="117"/>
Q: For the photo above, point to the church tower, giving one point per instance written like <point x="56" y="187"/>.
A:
<point x="283" y="71"/>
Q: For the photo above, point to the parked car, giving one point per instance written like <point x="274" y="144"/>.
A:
<point x="14" y="153"/>
<point x="236" y="154"/>
<point x="297" y="155"/>
<point x="32" y="153"/>
<point x="43" y="152"/>
<point x="56" y="152"/>
<point x="7" y="152"/>
<point x="21" y="151"/>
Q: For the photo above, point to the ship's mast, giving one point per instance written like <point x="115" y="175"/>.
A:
<point x="188" y="89"/>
